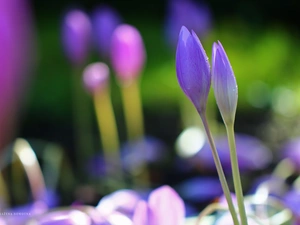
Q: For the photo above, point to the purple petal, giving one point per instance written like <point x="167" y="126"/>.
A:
<point x="194" y="16"/>
<point x="192" y="68"/>
<point x="95" y="77"/>
<point x="291" y="150"/>
<point x="224" y="83"/>
<point x="65" y="217"/>
<point x="123" y="201"/>
<point x="252" y="153"/>
<point x="142" y="214"/>
<point x="166" y="206"/>
<point x="76" y="36"/>
<point x="127" y="52"/>
<point x="105" y="20"/>
<point x="200" y="189"/>
<point x="16" y="58"/>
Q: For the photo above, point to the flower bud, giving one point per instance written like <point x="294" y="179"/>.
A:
<point x="192" y="67"/>
<point x="76" y="35"/>
<point x="224" y="84"/>
<point x="105" y="20"/>
<point x="127" y="52"/>
<point x="95" y="76"/>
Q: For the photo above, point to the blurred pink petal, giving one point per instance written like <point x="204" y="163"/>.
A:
<point x="16" y="38"/>
<point x="167" y="207"/>
<point x="127" y="52"/>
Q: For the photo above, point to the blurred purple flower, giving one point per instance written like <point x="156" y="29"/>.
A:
<point x="95" y="77"/>
<point x="16" y="58"/>
<point x="164" y="207"/>
<point x="127" y="52"/>
<point x="194" y="16"/>
<point x="252" y="154"/>
<point x="200" y="189"/>
<point x="291" y="150"/>
<point x="224" y="83"/>
<point x="105" y="20"/>
<point x="123" y="201"/>
<point x="76" y="36"/>
<point x="292" y="201"/>
<point x="192" y="68"/>
<point x="154" y="151"/>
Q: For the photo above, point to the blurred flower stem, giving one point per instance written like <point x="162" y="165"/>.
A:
<point x="82" y="119"/>
<point x="236" y="173"/>
<point x="219" y="170"/>
<point x="134" y="122"/>
<point x="108" y="130"/>
<point x="133" y="110"/>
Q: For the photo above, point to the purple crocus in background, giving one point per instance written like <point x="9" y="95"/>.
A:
<point x="291" y="151"/>
<point x="104" y="20"/>
<point x="127" y="52"/>
<point x="76" y="36"/>
<point x="193" y="69"/>
<point x="16" y="58"/>
<point x="194" y="16"/>
<point x="252" y="154"/>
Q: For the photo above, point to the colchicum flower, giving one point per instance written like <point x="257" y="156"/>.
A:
<point x="95" y="77"/>
<point x="164" y="207"/>
<point x="104" y="20"/>
<point x="193" y="70"/>
<point x="224" y="84"/>
<point x="127" y="52"/>
<point x="194" y="16"/>
<point x="76" y="36"/>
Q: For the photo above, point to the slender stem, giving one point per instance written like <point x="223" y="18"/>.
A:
<point x="134" y="120"/>
<point x="220" y="170"/>
<point x="108" y="129"/>
<point x="82" y="119"/>
<point x="133" y="110"/>
<point x="236" y="173"/>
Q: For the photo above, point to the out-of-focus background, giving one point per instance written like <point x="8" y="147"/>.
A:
<point x="261" y="39"/>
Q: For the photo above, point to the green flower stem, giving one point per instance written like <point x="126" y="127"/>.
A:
<point x="82" y="119"/>
<point x="236" y="173"/>
<point x="220" y="170"/>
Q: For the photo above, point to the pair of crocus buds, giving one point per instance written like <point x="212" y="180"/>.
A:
<point x="195" y="76"/>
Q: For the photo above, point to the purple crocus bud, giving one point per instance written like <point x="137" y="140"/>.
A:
<point x="95" y="77"/>
<point x="76" y="35"/>
<point x="105" y="20"/>
<point x="193" y="70"/>
<point x="224" y="83"/>
<point x="127" y="52"/>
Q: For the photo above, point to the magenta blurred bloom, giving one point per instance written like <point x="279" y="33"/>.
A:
<point x="105" y="20"/>
<point x="193" y="70"/>
<point x="224" y="83"/>
<point x="95" y="77"/>
<point x="16" y="60"/>
<point x="164" y="207"/>
<point x="127" y="52"/>
<point x="194" y="16"/>
<point x="76" y="36"/>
